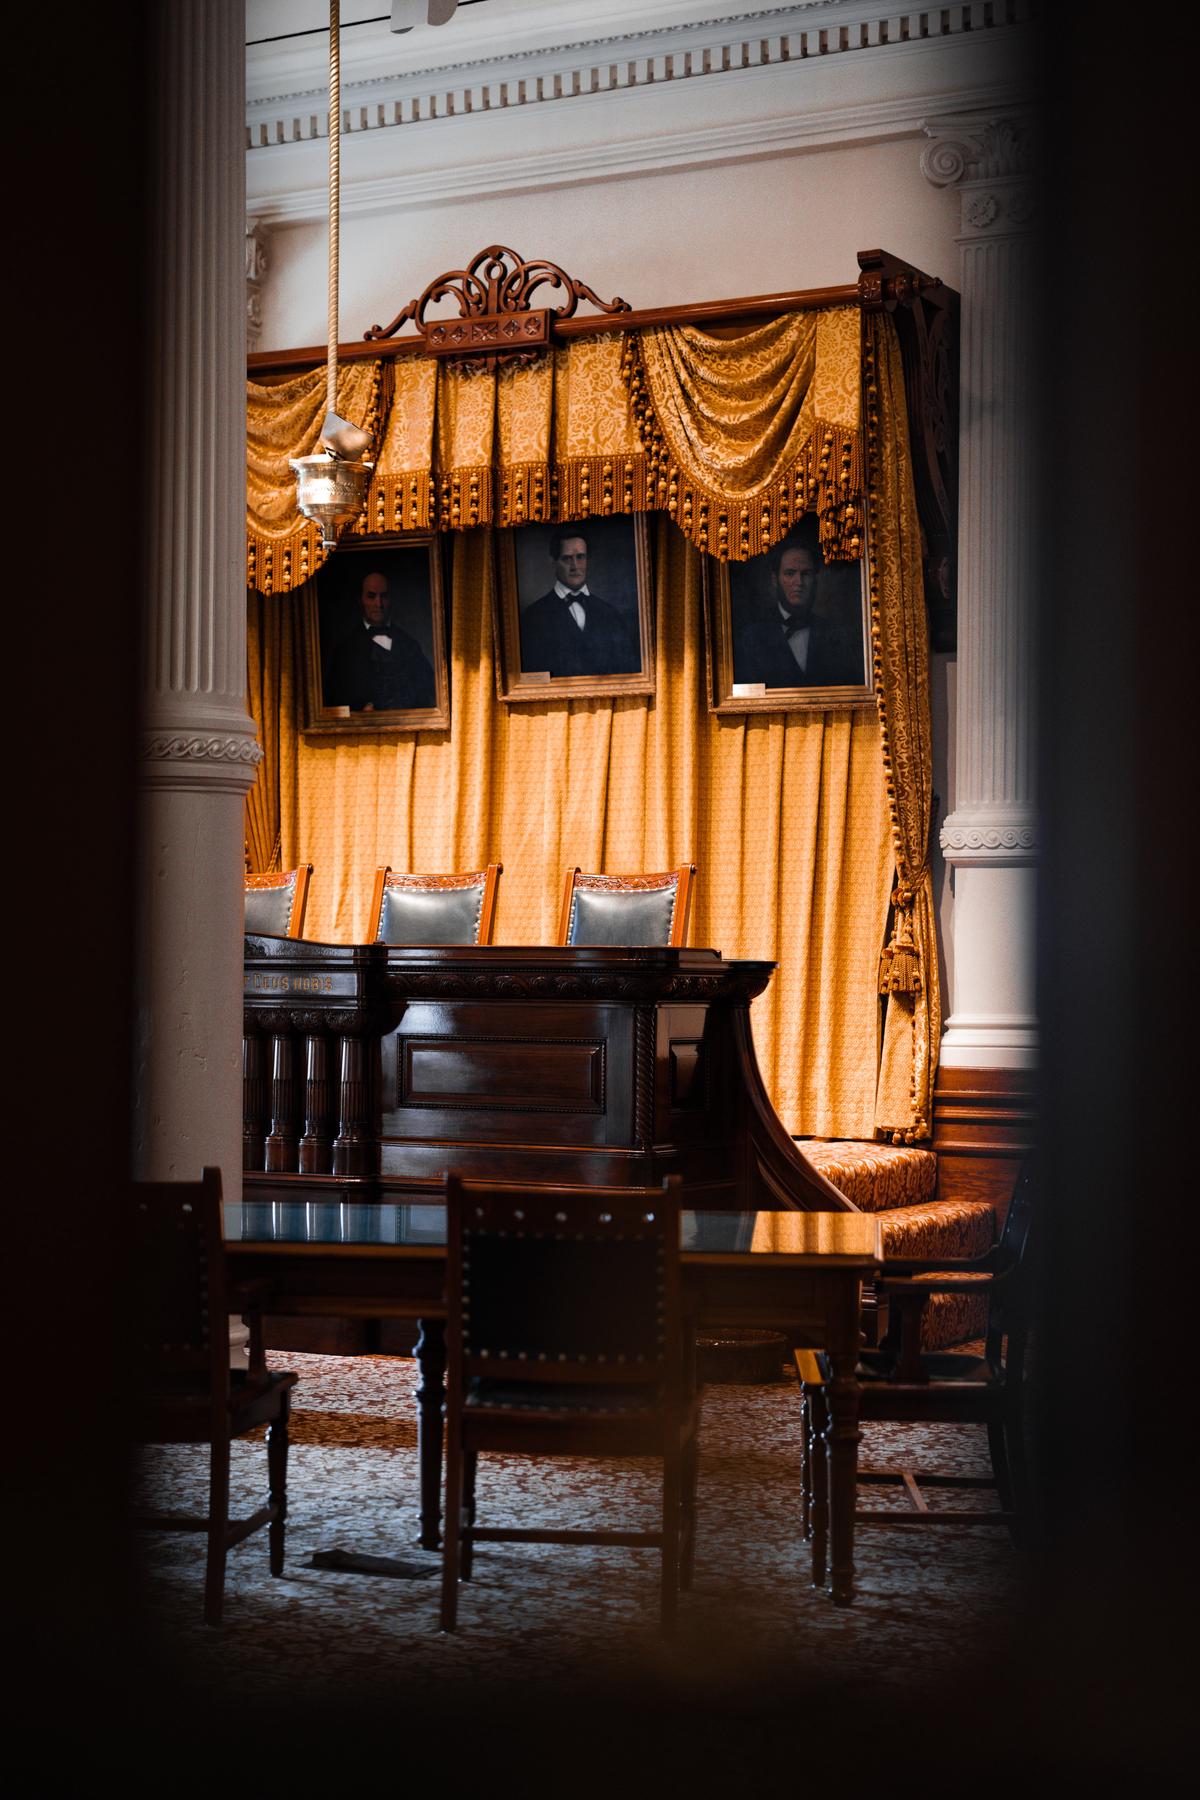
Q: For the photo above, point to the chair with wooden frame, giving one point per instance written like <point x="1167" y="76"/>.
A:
<point x="185" y="1391"/>
<point x="899" y="1382"/>
<point x="275" y="904"/>
<point x="540" y="1362"/>
<point x="434" y="909"/>
<point x="627" y="910"/>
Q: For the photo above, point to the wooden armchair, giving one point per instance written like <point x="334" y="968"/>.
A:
<point x="901" y="1382"/>
<point x="434" y="909"/>
<point x="627" y="909"/>
<point x="541" y="1363"/>
<point x="275" y="904"/>
<point x="186" y="1392"/>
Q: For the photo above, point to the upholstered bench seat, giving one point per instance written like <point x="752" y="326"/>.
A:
<point x="900" y="1183"/>
<point x="877" y="1177"/>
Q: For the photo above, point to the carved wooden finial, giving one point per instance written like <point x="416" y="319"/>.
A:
<point x="495" y="321"/>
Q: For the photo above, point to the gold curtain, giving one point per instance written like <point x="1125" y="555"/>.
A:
<point x="283" y="419"/>
<point x="272" y="666"/>
<point x="745" y="434"/>
<point x="908" y="971"/>
<point x="798" y="821"/>
<point x="785" y="815"/>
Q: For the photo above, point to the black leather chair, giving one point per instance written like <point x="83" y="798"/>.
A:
<point x="184" y="1389"/>
<point x="540" y="1362"/>
<point x="627" y="910"/>
<point x="434" y="909"/>
<point x="275" y="904"/>
<point x="900" y="1382"/>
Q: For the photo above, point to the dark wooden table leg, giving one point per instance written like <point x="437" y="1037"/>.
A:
<point x="842" y="1437"/>
<point x="431" y="1399"/>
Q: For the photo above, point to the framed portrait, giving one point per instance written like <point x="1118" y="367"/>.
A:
<point x="375" y="639"/>
<point x="574" y="612"/>
<point x="787" y="630"/>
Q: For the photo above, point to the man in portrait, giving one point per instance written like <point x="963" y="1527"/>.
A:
<point x="570" y="630"/>
<point x="378" y="667"/>
<point x="790" y="643"/>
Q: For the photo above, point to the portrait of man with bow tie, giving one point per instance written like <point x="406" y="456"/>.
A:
<point x="571" y="630"/>
<point x="376" y="639"/>
<point x="576" y="613"/>
<point x="789" y="639"/>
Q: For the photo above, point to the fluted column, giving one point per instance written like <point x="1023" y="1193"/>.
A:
<point x="990" y="837"/>
<point x="198" y="751"/>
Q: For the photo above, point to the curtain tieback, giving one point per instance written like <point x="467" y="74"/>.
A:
<point x="900" y="962"/>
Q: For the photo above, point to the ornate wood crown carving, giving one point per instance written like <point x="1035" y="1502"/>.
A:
<point x="495" y="320"/>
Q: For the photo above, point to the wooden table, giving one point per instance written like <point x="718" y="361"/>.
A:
<point x="387" y="1260"/>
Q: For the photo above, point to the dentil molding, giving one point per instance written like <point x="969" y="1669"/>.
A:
<point x="381" y="89"/>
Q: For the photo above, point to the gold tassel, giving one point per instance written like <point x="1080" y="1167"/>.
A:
<point x="403" y="502"/>
<point x="276" y="565"/>
<point x="598" y="486"/>
<point x="465" y="498"/>
<point x="900" y="961"/>
<point x="523" y="493"/>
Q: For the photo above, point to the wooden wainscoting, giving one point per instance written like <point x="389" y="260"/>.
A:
<point x="984" y="1122"/>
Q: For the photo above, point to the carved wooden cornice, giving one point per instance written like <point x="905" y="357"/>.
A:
<point x="925" y="312"/>
<point x="495" y="320"/>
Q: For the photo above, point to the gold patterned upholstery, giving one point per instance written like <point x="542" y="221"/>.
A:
<point x="877" y="1177"/>
<point x="900" y="1183"/>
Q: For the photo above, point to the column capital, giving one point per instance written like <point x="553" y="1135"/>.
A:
<point x="990" y="157"/>
<point x="257" y="264"/>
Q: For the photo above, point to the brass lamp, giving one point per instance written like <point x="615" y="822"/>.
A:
<point x="331" y="485"/>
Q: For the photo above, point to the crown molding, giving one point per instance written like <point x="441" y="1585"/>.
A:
<point x="521" y="32"/>
<point x="812" y="130"/>
<point x="380" y="94"/>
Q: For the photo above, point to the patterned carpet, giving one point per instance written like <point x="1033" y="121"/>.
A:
<point x="931" y="1605"/>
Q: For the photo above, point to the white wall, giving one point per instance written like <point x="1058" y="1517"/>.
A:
<point x="707" y="233"/>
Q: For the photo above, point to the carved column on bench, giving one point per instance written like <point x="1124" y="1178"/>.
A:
<point x="316" y="1149"/>
<point x="254" y="1100"/>
<point x="281" y="1140"/>
<point x="356" y="1146"/>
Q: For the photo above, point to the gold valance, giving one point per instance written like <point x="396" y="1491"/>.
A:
<point x="283" y="419"/>
<point x="733" y="438"/>
<point x="745" y="434"/>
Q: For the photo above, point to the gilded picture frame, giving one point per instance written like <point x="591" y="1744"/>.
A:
<point x="375" y="639"/>
<point x="786" y="631"/>
<point x="543" y="650"/>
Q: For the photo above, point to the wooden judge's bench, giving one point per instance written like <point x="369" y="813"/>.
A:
<point x="370" y="1072"/>
<point x="379" y="1069"/>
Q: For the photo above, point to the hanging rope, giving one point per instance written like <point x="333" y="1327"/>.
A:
<point x="335" y="152"/>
